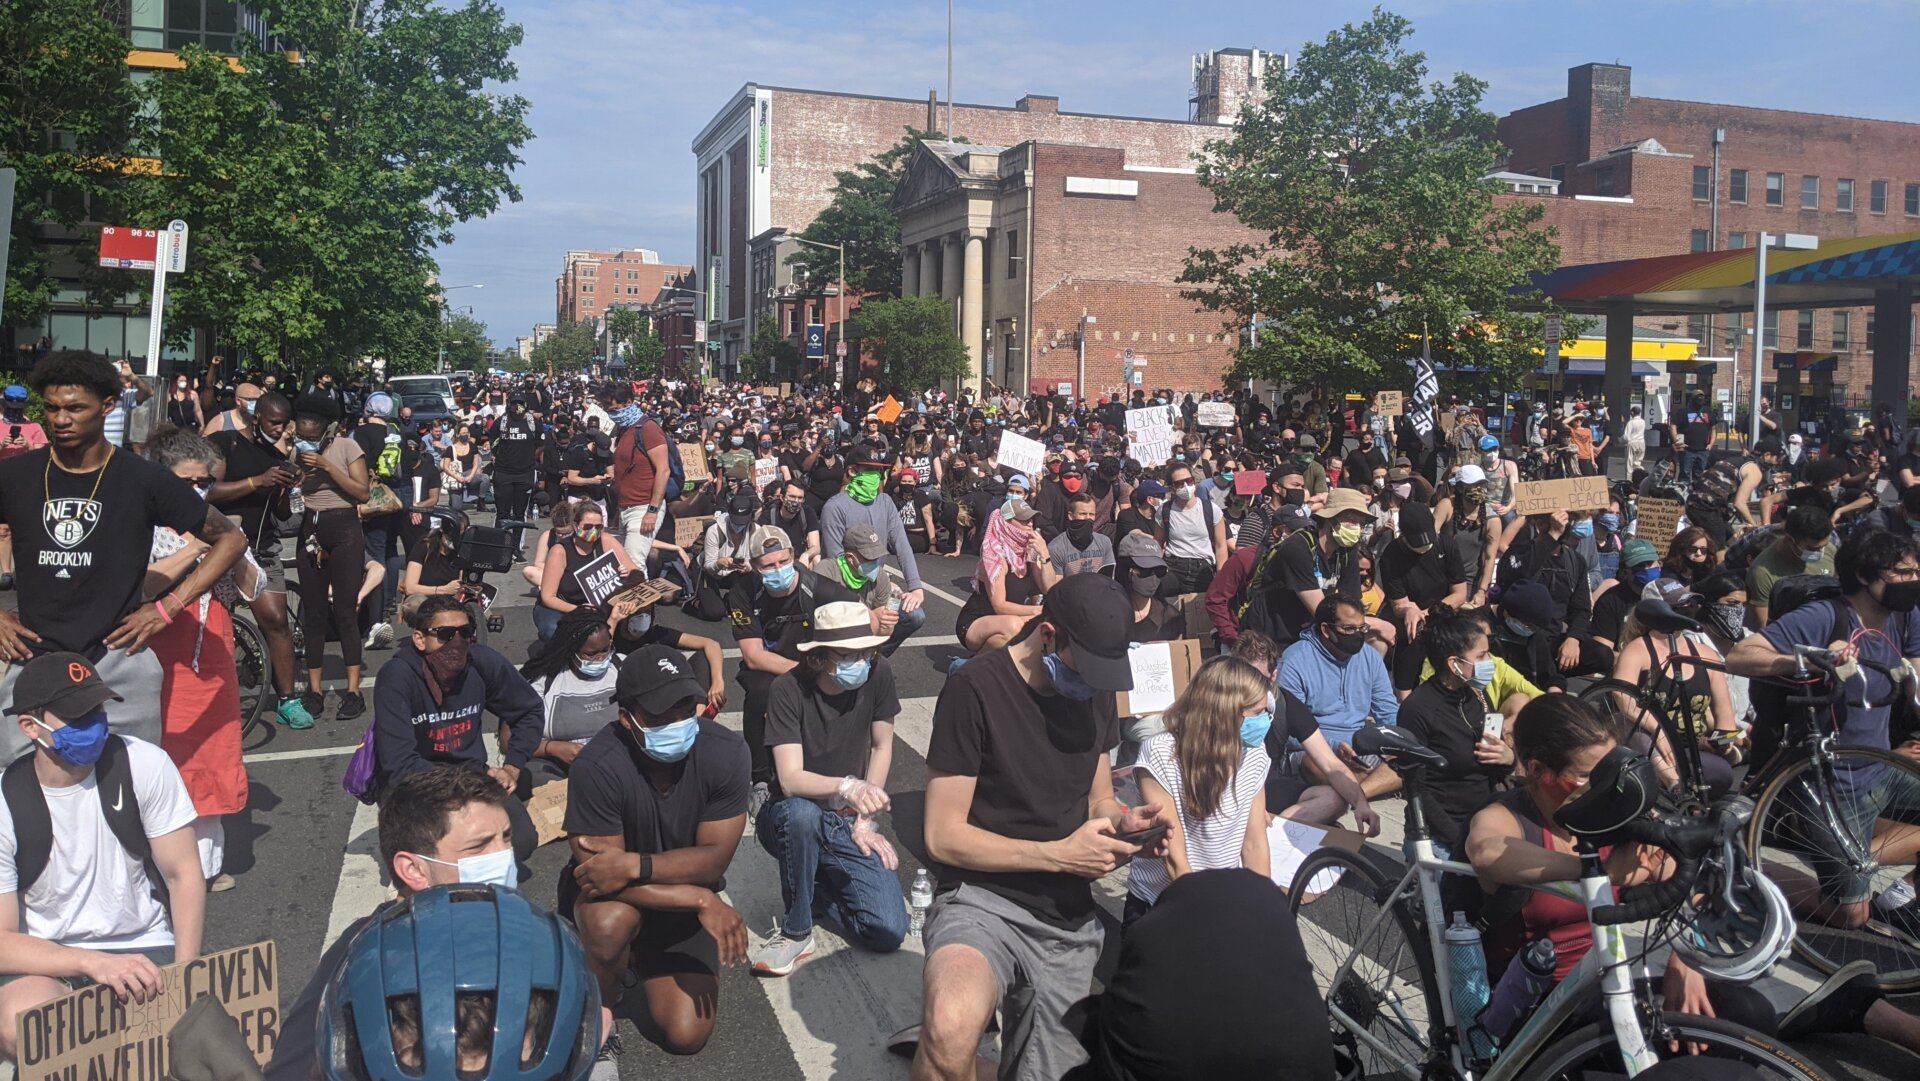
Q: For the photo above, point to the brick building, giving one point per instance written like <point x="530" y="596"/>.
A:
<point x="1641" y="176"/>
<point x="766" y="160"/>
<point x="1028" y="240"/>
<point x="590" y="282"/>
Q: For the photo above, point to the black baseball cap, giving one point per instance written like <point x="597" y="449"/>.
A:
<point x="654" y="679"/>
<point x="740" y="510"/>
<point x="1092" y="613"/>
<point x="1416" y="525"/>
<point x="64" y="684"/>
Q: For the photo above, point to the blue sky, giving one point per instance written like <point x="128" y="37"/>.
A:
<point x="620" y="87"/>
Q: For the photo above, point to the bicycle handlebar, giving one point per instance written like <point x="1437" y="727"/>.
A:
<point x="1689" y="841"/>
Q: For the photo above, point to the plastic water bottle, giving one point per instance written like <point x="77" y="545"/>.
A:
<point x="920" y="898"/>
<point x="1521" y="987"/>
<point x="1468" y="963"/>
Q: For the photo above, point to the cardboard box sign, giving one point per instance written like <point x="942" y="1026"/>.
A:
<point x="693" y="461"/>
<point x="889" y="410"/>
<point x="1193" y="608"/>
<point x="1392" y="403"/>
<point x="1660" y="520"/>
<point x="1161" y="670"/>
<point x="1573" y="493"/>
<point x="94" y="1035"/>
<point x="548" y="809"/>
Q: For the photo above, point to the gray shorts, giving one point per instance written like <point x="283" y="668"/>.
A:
<point x="273" y="572"/>
<point x="1042" y="971"/>
<point x="161" y="956"/>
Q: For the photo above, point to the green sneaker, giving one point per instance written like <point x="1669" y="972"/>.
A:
<point x="294" y="715"/>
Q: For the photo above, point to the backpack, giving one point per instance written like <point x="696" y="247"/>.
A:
<point x="386" y="465"/>
<point x="1206" y="503"/>
<point x="676" y="469"/>
<point x="1715" y="489"/>
<point x="33" y="824"/>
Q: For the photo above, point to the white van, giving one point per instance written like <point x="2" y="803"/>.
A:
<point x="404" y="385"/>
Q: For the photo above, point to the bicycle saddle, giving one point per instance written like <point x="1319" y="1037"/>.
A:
<point x="1395" y="746"/>
<point x="1657" y="615"/>
<point x="1621" y="789"/>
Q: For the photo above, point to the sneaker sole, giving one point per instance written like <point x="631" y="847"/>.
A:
<point x="764" y="969"/>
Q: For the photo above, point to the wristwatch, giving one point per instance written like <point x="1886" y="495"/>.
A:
<point x="646" y="869"/>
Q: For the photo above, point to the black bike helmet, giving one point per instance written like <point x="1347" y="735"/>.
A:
<point x="421" y="960"/>
<point x="1621" y="788"/>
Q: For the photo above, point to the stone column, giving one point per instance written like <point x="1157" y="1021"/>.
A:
<point x="1617" y="381"/>
<point x="909" y="271"/>
<point x="1893" y="348"/>
<point x="929" y="272"/>
<point x="950" y="268"/>
<point x="971" y="311"/>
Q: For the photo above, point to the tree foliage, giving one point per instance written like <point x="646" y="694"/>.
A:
<point x="770" y="355"/>
<point x="634" y="339"/>
<point x="68" y="104"/>
<point x="1362" y="185"/>
<point x="859" y="218"/>
<point x="468" y="347"/>
<point x="318" y="190"/>
<point x="569" y="349"/>
<point x="914" y="341"/>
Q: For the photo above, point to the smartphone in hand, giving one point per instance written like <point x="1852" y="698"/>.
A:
<point x="1143" y="838"/>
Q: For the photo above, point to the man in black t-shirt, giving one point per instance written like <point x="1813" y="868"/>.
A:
<point x="789" y="513"/>
<point x="589" y="465"/>
<point x="656" y="804"/>
<point x="830" y="727"/>
<point x="1416" y="572"/>
<point x="1020" y="818"/>
<point x="258" y="479"/>
<point x="516" y="453"/>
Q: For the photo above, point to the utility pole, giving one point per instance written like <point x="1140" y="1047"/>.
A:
<point x="1080" y="342"/>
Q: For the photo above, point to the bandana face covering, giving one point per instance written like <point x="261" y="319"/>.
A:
<point x="864" y="488"/>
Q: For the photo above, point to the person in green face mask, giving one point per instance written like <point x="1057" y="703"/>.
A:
<point x="860" y="505"/>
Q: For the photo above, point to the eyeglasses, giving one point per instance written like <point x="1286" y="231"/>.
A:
<point x="202" y="483"/>
<point x="445" y="634"/>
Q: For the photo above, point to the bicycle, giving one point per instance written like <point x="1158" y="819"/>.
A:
<point x="1814" y="798"/>
<point x="1393" y="965"/>
<point x="253" y="668"/>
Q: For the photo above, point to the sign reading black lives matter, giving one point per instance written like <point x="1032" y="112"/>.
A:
<point x="600" y="578"/>
<point x="95" y="1035"/>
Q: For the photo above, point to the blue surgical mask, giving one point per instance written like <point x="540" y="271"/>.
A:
<point x="852" y="675"/>
<point x="1813" y="557"/>
<point x="595" y="669"/>
<point x="781" y="579"/>
<point x="1611" y="522"/>
<point x="871" y="571"/>
<point x="305" y="446"/>
<point x="486" y="869"/>
<point x="670" y="742"/>
<point x="1519" y="628"/>
<point x="735" y="440"/>
<point x="1482" y="676"/>
<point x="1253" y="730"/>
<point x="1646" y="574"/>
<point x="247" y="405"/>
<point x="81" y="742"/>
<point x="1065" y="679"/>
<point x="1583" y="528"/>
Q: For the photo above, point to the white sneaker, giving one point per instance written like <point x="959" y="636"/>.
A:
<point x="780" y="954"/>
<point x="757" y="799"/>
<point x="379" y="636"/>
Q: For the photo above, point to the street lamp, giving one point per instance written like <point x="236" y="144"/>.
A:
<point x="446" y="320"/>
<point x="839" y="300"/>
<point x="1080" y="344"/>
<point x="1787" y="242"/>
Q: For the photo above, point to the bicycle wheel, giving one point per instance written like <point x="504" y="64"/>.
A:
<point x="1389" y="991"/>
<point x="1616" y="700"/>
<point x="254" y="668"/>
<point x="1824" y="827"/>
<point x="1595" y="1050"/>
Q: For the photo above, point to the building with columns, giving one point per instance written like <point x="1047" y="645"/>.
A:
<point x="767" y="158"/>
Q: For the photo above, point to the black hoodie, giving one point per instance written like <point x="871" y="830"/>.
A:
<point x="413" y="733"/>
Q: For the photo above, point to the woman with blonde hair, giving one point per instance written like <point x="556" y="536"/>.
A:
<point x="1210" y="767"/>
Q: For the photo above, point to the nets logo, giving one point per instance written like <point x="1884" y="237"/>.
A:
<point x="69" y="520"/>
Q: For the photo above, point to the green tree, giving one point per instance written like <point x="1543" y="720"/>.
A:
<point x="769" y="355"/>
<point x="318" y="190"/>
<point x="859" y="217"/>
<point x="468" y="347"/>
<point x="914" y="341"/>
<point x="570" y="348"/>
<point x="64" y="129"/>
<point x="643" y="349"/>
<point x="1362" y="188"/>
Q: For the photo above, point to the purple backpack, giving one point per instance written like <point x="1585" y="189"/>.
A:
<point x="359" y="779"/>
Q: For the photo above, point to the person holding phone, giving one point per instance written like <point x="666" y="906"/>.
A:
<point x="22" y="435"/>
<point x="1453" y="713"/>
<point x="1210" y="766"/>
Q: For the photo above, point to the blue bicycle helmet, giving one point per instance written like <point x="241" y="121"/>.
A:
<point x="1489" y="443"/>
<point x="424" y="960"/>
<point x="16" y="393"/>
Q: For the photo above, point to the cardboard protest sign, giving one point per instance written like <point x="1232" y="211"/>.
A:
<point x="548" y="809"/>
<point x="1020" y="454"/>
<point x="1150" y="434"/>
<point x="687" y="531"/>
<point x="1392" y="403"/>
<point x="693" y="461"/>
<point x="889" y="410"/>
<point x="1249" y="482"/>
<point x="600" y="578"/>
<point x="1216" y="415"/>
<point x="764" y="472"/>
<point x="95" y="1035"/>
<point x="766" y="392"/>
<point x="1573" y="493"/>
<point x="1161" y="670"/>
<point x="1660" y="520"/>
<point x="786" y="390"/>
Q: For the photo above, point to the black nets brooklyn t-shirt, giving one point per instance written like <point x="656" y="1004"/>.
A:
<point x="80" y="554"/>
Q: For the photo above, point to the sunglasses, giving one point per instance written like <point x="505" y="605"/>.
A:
<point x="202" y="483"/>
<point x="446" y="634"/>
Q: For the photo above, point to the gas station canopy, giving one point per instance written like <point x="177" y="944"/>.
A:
<point x="1845" y="273"/>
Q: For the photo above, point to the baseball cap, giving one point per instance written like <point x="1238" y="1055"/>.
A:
<point x="1020" y="480"/>
<point x="654" y="679"/>
<point x="1294" y="517"/>
<point x="64" y="684"/>
<point x="379" y="404"/>
<point x="1309" y="441"/>
<point x="1469" y="474"/>
<point x="1092" y="614"/>
<point x="1020" y="510"/>
<point x="1152" y="487"/>
<point x="16" y="393"/>
<point x="1140" y="550"/>
<point x="766" y="539"/>
<point x="861" y="540"/>
<point x="1416" y="525"/>
<point x="1638" y="552"/>
<point x="740" y="510"/>
<point x="1672" y="591"/>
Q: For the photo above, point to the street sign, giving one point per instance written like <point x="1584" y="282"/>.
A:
<point x="840" y="349"/>
<point x="122" y="248"/>
<point x="699" y="332"/>
<point x="1553" y="341"/>
<point x="173" y="247"/>
<point x="816" y="341"/>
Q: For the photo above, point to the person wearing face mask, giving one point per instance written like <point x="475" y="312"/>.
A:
<point x="516" y="454"/>
<point x="1112" y="495"/>
<point x="1450" y="713"/>
<point x="1707" y="703"/>
<point x="1307" y="566"/>
<point x="1583" y="536"/>
<point x="89" y="909"/>
<point x="1020" y="820"/>
<point x="574" y="674"/>
<point x="562" y="581"/>
<point x="1306" y="455"/>
<point x="789" y="513"/>
<point x="1015" y="569"/>
<point x="1362" y="461"/>
<point x="1210" y="765"/>
<point x="183" y="406"/>
<point x="1805" y="547"/>
<point x="1544" y="550"/>
<point x="1141" y="568"/>
<point x="1081" y="548"/>
<point x="656" y="807"/>
<point x="1143" y="512"/>
<point x="1417" y="574"/>
<point x="1193" y="534"/>
<point x="1639" y="567"/>
<point x="1470" y="528"/>
<point x="830" y="727"/>
<point x="1052" y="499"/>
<point x="246" y="399"/>
<point x="860" y="503"/>
<point x="1345" y="683"/>
<point x="255" y="487"/>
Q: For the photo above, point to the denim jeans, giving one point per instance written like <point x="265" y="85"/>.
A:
<point x="816" y="853"/>
<point x="1693" y="465"/>
<point x="909" y="623"/>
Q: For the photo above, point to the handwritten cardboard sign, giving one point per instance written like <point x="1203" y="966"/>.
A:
<point x="764" y="472"/>
<point x="1573" y="493"/>
<point x="1020" y="454"/>
<point x="94" y="1035"/>
<point x="889" y="410"/>
<point x="600" y="578"/>
<point x="687" y="531"/>
<point x="1161" y="670"/>
<point x="693" y="462"/>
<point x="1216" y="415"/>
<point x="1391" y="403"/>
<point x="1660" y="520"/>
<point x="1150" y="434"/>
<point x="548" y="809"/>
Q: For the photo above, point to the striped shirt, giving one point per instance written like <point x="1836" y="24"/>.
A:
<point x="1213" y="843"/>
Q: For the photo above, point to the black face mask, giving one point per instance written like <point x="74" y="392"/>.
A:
<point x="1345" y="645"/>
<point x="1080" y="533"/>
<point x="1900" y="596"/>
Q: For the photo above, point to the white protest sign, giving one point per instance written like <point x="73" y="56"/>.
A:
<point x="1152" y="665"/>
<point x="1150" y="434"/>
<point x="1217" y="415"/>
<point x="599" y="578"/>
<point x="764" y="472"/>
<point x="1020" y="454"/>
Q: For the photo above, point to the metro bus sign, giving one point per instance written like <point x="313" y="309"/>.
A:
<point x="122" y="248"/>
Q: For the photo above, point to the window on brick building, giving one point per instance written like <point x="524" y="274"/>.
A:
<point x="1802" y="329"/>
<point x="1736" y="331"/>
<point x="1699" y="240"/>
<point x="1776" y="189"/>
<point x="1809" y="193"/>
<point x="1913" y="200"/>
<point x="1702" y="182"/>
<point x="1770" y="331"/>
<point x="1843" y="194"/>
<point x="589" y="272"/>
<point x="1870" y="328"/>
<point x="1603" y="180"/>
<point x="1697" y="330"/>
<point x="1842" y="330"/>
<point x="1877" y="197"/>
<point x="1013" y="253"/>
<point x="1736" y="241"/>
<point x="1737" y="186"/>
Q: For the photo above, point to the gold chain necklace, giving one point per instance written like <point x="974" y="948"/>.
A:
<point x="57" y="525"/>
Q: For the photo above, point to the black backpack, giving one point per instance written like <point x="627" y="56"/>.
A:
<point x="33" y="824"/>
<point x="1716" y="487"/>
